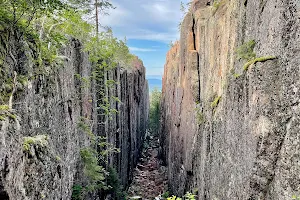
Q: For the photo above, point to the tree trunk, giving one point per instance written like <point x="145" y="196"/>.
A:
<point x="97" y="17"/>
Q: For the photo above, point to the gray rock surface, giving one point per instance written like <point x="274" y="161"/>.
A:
<point x="246" y="144"/>
<point x="48" y="109"/>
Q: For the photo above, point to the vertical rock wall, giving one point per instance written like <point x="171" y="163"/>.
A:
<point x="126" y="129"/>
<point x="46" y="111"/>
<point x="230" y="133"/>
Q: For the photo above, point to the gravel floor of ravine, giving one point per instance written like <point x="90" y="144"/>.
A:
<point x="150" y="177"/>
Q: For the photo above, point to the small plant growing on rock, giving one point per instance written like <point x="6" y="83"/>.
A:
<point x="174" y="198"/>
<point x="6" y="112"/>
<point x="4" y="108"/>
<point x="165" y="195"/>
<point x="295" y="197"/>
<point x="57" y="158"/>
<point x="217" y="4"/>
<point x="246" y="50"/>
<point x="39" y="140"/>
<point x="190" y="196"/>
<point x="215" y="103"/>
<point x="187" y="196"/>
<point x="255" y="60"/>
<point x="235" y="75"/>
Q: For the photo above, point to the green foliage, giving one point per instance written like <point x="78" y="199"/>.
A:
<point x="4" y="108"/>
<point x="217" y="4"/>
<point x="40" y="140"/>
<point x="255" y="60"/>
<point x="154" y="112"/>
<point x="6" y="112"/>
<point x="77" y="192"/>
<point x="115" y="185"/>
<point x="174" y="198"/>
<point x="187" y="196"/>
<point x="24" y="11"/>
<point x="165" y="194"/>
<point x="57" y="158"/>
<point x="295" y="197"/>
<point x="190" y="196"/>
<point x="47" y="27"/>
<point x="184" y="8"/>
<point x="52" y="23"/>
<point x="106" y="51"/>
<point x="215" y="103"/>
<point x="88" y="6"/>
<point x="82" y="125"/>
<point x="246" y="50"/>
<point x="95" y="172"/>
<point x="93" y="156"/>
<point x="235" y="75"/>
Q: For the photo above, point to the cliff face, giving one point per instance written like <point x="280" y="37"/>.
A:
<point x="227" y="132"/>
<point x="40" y="137"/>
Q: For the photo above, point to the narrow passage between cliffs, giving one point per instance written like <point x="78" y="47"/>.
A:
<point x="150" y="177"/>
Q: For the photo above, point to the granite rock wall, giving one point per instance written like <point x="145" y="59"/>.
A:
<point x="230" y="133"/>
<point x="40" y="141"/>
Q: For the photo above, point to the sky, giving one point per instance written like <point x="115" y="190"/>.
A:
<point x="149" y="27"/>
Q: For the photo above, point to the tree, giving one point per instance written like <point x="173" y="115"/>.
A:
<point x="94" y="8"/>
<point x="154" y="112"/>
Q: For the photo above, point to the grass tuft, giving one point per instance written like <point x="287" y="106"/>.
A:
<point x="255" y="60"/>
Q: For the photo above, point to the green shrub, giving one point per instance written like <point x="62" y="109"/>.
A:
<point x="114" y="184"/>
<point x="154" y="112"/>
<point x="187" y="196"/>
<point x="95" y="172"/>
<point x="40" y="140"/>
<point x="246" y="50"/>
<point x="77" y="192"/>
<point x="165" y="195"/>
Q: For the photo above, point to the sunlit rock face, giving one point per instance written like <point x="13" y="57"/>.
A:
<point x="230" y="133"/>
<point x="40" y="143"/>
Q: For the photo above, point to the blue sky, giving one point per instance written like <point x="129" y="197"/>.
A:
<point x="149" y="26"/>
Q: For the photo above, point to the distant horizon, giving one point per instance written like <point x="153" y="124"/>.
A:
<point x="154" y="77"/>
<point x="148" y="29"/>
<point x="154" y="83"/>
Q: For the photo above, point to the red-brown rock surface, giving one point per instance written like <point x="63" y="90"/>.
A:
<point x="228" y="132"/>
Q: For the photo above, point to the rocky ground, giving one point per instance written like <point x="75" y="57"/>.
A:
<point x="150" y="177"/>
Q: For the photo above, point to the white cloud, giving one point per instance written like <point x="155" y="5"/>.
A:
<point x="141" y="49"/>
<point x="149" y="20"/>
<point x="144" y="34"/>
